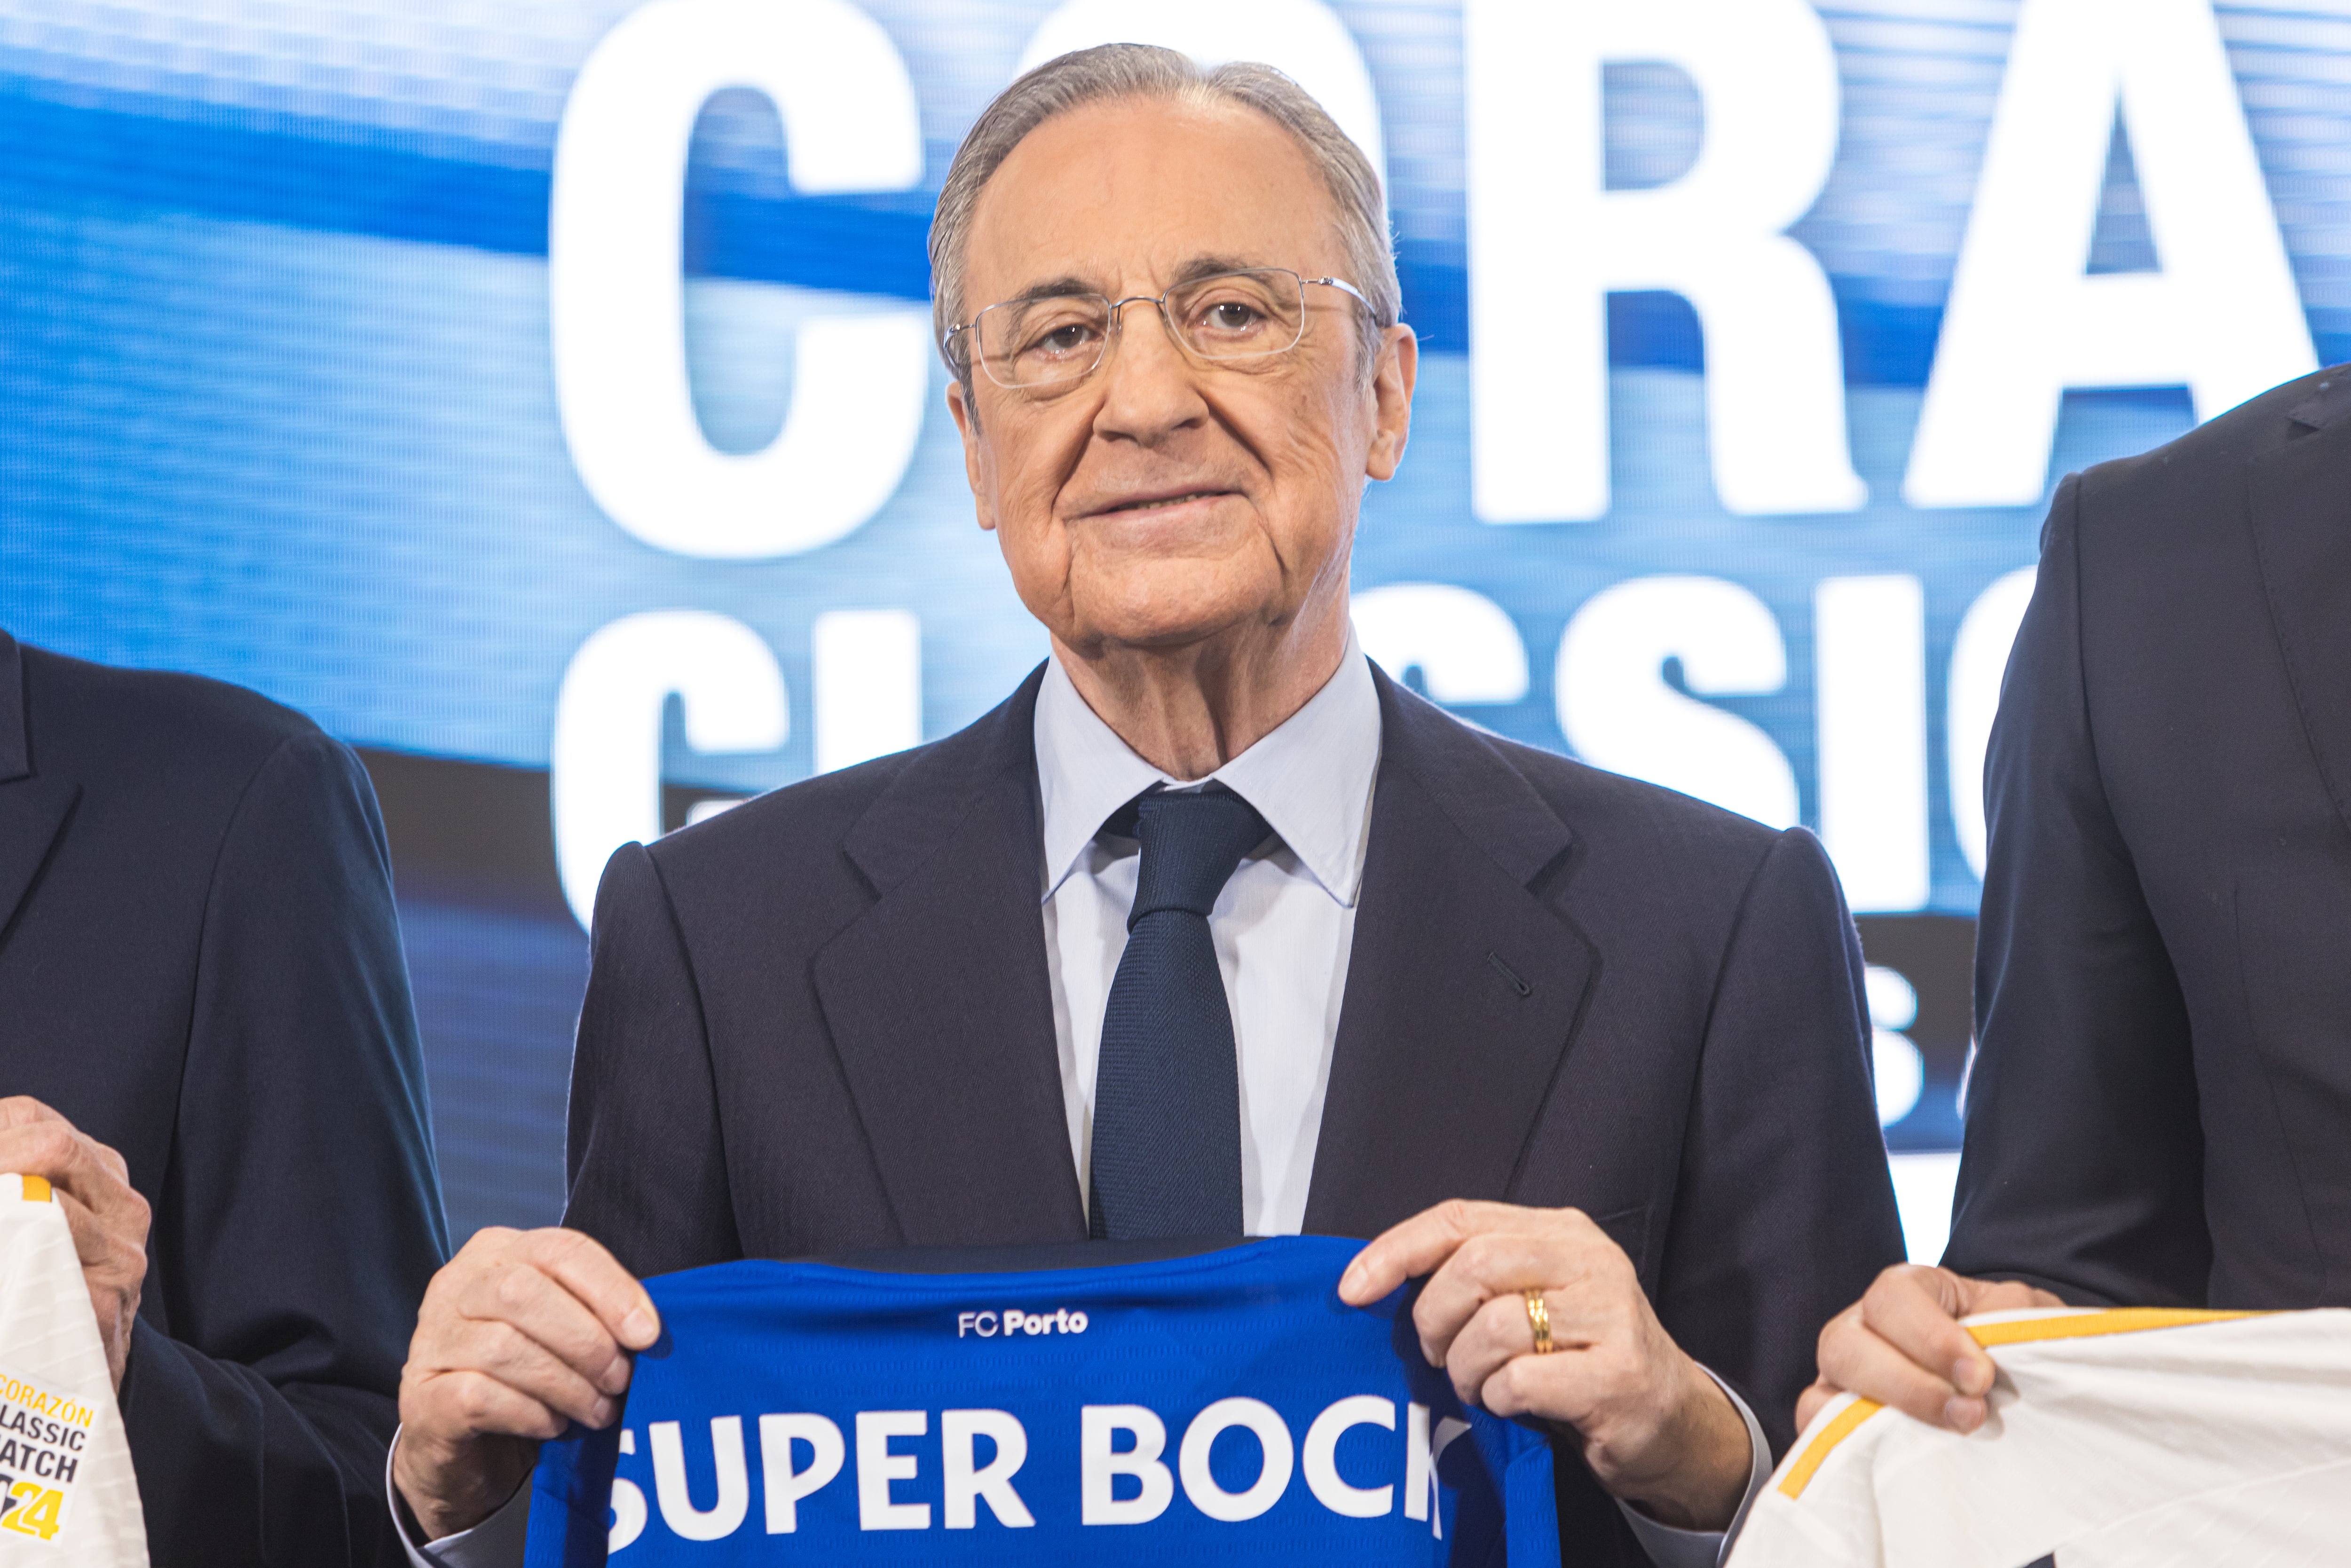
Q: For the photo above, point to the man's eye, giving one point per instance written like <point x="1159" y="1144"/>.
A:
<point x="1229" y="316"/>
<point x="1068" y="338"/>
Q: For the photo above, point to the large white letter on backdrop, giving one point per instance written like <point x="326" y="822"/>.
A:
<point x="1896" y="1065"/>
<point x="616" y="245"/>
<point x="1304" y="38"/>
<point x="1978" y="662"/>
<point x="866" y="666"/>
<point x="605" y="768"/>
<point x="1618" y="711"/>
<point x="1869" y="663"/>
<point x="1548" y="244"/>
<point x="2027" y="321"/>
<point x="1468" y="647"/>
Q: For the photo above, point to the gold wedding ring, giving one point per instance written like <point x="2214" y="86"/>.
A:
<point x="1539" y="1319"/>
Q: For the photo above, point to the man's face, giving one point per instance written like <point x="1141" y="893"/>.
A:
<point x="1161" y="502"/>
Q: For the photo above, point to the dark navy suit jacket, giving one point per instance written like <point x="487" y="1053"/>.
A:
<point x="2159" y="1110"/>
<point x="200" y="967"/>
<point x="822" y="1022"/>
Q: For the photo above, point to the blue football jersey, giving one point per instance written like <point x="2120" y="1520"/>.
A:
<point x="1221" y="1403"/>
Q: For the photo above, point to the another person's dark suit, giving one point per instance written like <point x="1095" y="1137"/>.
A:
<point x="822" y="1023"/>
<point x="2159" y="1110"/>
<point x="200" y="967"/>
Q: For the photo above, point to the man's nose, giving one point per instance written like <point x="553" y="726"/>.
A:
<point x="1148" y="392"/>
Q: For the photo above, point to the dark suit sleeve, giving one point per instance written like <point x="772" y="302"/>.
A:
<point x="2083" y="1163"/>
<point x="1784" y="1211"/>
<point x="648" y="1174"/>
<point x="300" y="1215"/>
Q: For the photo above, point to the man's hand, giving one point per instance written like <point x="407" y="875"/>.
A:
<point x="1656" y="1429"/>
<point x="108" y="1217"/>
<point x="521" y="1334"/>
<point x="1902" y="1345"/>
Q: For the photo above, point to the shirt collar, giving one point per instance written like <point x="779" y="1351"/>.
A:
<point x="1311" y="779"/>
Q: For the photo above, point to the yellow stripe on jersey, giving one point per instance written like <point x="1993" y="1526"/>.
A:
<point x="1800" y="1474"/>
<point x="36" y="1189"/>
<point x="2021" y="1331"/>
<point x="2085" y="1325"/>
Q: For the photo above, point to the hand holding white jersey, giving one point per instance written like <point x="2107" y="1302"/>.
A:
<point x="68" y="1496"/>
<point x="2143" y="1437"/>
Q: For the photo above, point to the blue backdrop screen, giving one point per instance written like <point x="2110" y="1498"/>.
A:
<point x="541" y="396"/>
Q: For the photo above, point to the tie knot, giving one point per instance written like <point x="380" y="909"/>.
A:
<point x="1191" y="843"/>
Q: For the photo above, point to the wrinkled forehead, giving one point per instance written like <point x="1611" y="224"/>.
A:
<point x="1133" y="195"/>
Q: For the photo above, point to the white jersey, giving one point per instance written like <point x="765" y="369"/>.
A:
<point x="67" y="1499"/>
<point x="2140" y="1437"/>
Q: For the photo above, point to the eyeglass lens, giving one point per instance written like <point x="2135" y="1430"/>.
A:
<point x="1231" y="316"/>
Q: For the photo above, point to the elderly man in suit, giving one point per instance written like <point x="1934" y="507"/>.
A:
<point x="1209" y="929"/>
<point x="2160" y="1109"/>
<point x="207" y="1045"/>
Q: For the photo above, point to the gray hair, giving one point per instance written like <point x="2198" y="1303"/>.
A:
<point x="1144" y="70"/>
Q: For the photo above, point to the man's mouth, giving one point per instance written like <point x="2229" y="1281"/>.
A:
<point x="1158" y="503"/>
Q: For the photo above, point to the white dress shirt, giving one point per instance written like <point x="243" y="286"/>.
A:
<point x="1283" y="927"/>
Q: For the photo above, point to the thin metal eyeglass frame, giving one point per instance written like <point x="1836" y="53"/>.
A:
<point x="1117" y="313"/>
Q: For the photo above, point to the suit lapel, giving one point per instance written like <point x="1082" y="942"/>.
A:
<point x="1462" y="987"/>
<point x="938" y="1000"/>
<point x="2301" y="506"/>
<point x="32" y="807"/>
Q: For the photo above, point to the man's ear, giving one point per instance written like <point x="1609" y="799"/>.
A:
<point x="1394" y="374"/>
<point x="967" y="418"/>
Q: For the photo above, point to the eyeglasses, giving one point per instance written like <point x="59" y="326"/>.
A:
<point x="1059" y="338"/>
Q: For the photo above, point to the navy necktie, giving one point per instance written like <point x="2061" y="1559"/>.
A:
<point x="1167" y="1094"/>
